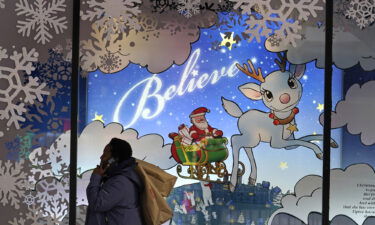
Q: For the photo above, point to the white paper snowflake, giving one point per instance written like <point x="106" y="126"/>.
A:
<point x="14" y="87"/>
<point x="278" y="13"/>
<point x="188" y="8"/>
<point x="362" y="11"/>
<point x="116" y="16"/>
<point x="41" y="16"/>
<point x="2" y="4"/>
<point x="12" y="180"/>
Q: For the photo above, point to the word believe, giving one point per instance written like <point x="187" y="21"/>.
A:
<point x="152" y="89"/>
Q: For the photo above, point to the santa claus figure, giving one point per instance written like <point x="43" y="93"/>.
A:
<point x="201" y="129"/>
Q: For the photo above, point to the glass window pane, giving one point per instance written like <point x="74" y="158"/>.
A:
<point x="35" y="74"/>
<point x="353" y="54"/>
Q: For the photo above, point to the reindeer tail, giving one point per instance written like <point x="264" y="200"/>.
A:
<point x="231" y="108"/>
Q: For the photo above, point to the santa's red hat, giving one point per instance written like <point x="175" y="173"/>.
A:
<point x="199" y="112"/>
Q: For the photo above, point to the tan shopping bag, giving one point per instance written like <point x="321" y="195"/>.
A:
<point x="158" y="184"/>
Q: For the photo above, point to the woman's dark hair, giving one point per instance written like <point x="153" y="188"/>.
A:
<point x="120" y="149"/>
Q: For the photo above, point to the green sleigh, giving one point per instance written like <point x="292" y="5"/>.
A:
<point x="203" y="159"/>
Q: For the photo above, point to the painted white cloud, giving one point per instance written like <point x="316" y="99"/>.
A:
<point x="150" y="148"/>
<point x="347" y="192"/>
<point x="95" y="136"/>
<point x="357" y="112"/>
<point x="351" y="46"/>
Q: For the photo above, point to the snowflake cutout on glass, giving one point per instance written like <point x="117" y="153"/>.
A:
<point x="12" y="182"/>
<point x="95" y="53"/>
<point x="34" y="216"/>
<point x="53" y="196"/>
<point x="115" y="16"/>
<point x="277" y="18"/>
<point x="188" y="8"/>
<point x="362" y="11"/>
<point x="110" y="62"/>
<point x="41" y="16"/>
<point x="48" y="117"/>
<point x="16" y="94"/>
<point x="50" y="188"/>
<point x="29" y="199"/>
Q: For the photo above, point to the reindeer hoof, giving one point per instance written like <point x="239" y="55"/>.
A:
<point x="319" y="156"/>
<point x="232" y="187"/>
<point x="334" y="144"/>
<point x="252" y="181"/>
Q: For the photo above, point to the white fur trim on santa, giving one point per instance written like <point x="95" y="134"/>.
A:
<point x="195" y="115"/>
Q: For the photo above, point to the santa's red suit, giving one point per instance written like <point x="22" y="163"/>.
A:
<point x="198" y="134"/>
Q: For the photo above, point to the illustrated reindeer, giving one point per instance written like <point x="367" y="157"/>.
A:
<point x="280" y="91"/>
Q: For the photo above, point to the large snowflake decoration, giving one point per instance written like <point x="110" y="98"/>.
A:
<point x="188" y="8"/>
<point x="14" y="94"/>
<point x="362" y="11"/>
<point x="116" y="16"/>
<point x="12" y="183"/>
<point x="282" y="17"/>
<point x="41" y="16"/>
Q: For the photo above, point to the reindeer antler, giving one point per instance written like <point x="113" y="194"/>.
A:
<point x="282" y="62"/>
<point x="252" y="74"/>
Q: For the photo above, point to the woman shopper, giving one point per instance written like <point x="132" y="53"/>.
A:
<point x="114" y="189"/>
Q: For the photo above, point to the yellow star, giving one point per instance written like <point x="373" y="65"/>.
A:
<point x="228" y="42"/>
<point x="98" y="118"/>
<point x="320" y="107"/>
<point x="283" y="165"/>
<point x="292" y="127"/>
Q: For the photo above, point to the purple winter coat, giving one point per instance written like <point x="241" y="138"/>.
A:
<point x="114" y="199"/>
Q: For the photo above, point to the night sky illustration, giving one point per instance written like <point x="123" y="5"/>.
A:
<point x="281" y="167"/>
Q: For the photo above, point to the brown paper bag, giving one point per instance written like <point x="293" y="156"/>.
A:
<point x="158" y="184"/>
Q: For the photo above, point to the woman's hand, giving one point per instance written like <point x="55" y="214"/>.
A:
<point x="99" y="170"/>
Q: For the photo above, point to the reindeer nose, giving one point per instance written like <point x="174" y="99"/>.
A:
<point x="284" y="98"/>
